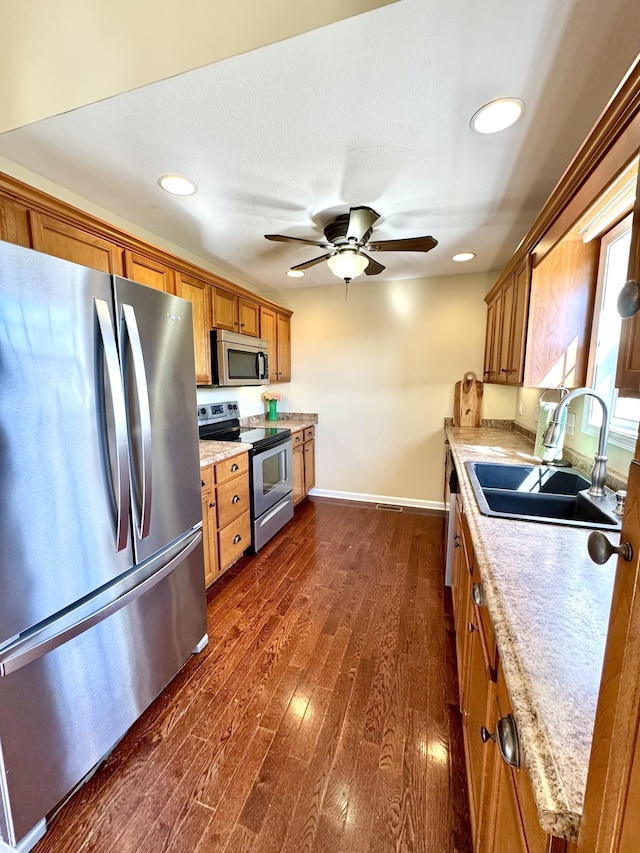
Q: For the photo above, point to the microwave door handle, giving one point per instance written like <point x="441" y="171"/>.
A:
<point x="144" y="413"/>
<point x="114" y="379"/>
<point x="260" y="365"/>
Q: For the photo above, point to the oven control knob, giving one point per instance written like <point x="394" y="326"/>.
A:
<point x="202" y="411"/>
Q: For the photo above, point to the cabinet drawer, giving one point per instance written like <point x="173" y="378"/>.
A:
<point x="297" y="437"/>
<point x="309" y="433"/>
<point x="206" y="480"/>
<point x="232" y="499"/>
<point x="233" y="540"/>
<point x="231" y="468"/>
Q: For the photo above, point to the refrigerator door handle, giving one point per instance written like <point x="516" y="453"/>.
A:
<point x="121" y="489"/>
<point x="33" y="649"/>
<point x="143" y="515"/>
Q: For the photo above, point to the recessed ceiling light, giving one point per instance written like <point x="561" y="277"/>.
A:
<point x="177" y="185"/>
<point x="295" y="273"/>
<point x="461" y="257"/>
<point x="497" y="115"/>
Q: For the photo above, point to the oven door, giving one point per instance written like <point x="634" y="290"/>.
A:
<point x="272" y="475"/>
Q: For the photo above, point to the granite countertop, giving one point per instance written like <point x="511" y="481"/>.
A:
<point x="216" y="451"/>
<point x="549" y="605"/>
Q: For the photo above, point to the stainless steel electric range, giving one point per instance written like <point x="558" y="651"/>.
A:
<point x="270" y="471"/>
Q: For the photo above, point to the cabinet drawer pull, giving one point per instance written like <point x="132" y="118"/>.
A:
<point x="235" y="467"/>
<point x="471" y="628"/>
<point x="237" y="538"/>
<point x="477" y="594"/>
<point x="507" y="737"/>
<point x="202" y="483"/>
<point x="212" y="504"/>
<point x="235" y="499"/>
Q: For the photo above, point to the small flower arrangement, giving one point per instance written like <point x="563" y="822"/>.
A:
<point x="271" y="395"/>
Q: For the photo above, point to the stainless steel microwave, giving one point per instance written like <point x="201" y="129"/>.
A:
<point x="239" y="359"/>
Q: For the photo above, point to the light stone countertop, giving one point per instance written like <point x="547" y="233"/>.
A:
<point x="216" y="451"/>
<point x="549" y="605"/>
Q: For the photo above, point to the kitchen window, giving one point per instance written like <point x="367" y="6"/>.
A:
<point x="612" y="274"/>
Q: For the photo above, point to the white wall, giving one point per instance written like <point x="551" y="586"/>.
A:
<point x="380" y="370"/>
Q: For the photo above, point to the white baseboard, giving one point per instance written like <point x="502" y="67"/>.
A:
<point x="378" y="499"/>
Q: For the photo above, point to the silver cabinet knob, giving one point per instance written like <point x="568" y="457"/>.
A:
<point x="477" y="594"/>
<point x="600" y="549"/>
<point x="621" y="497"/>
<point x="629" y="298"/>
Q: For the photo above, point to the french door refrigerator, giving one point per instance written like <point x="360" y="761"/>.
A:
<point x="101" y="564"/>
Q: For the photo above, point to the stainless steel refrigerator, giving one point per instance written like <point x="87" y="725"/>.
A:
<point x="101" y="565"/>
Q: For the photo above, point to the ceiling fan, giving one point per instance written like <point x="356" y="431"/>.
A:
<point x="347" y="236"/>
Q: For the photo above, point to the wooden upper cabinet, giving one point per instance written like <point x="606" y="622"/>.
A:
<point x="235" y="314"/>
<point x="563" y="287"/>
<point x="148" y="271"/>
<point x="506" y="323"/>
<point x="225" y="310"/>
<point x="199" y="294"/>
<point x="628" y="371"/>
<point x="268" y="331"/>
<point x="54" y="237"/>
<point x="283" y="325"/>
<point x="249" y="316"/>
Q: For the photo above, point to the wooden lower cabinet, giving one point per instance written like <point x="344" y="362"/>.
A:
<point x="304" y="463"/>
<point x="225" y="515"/>
<point x="503" y="813"/>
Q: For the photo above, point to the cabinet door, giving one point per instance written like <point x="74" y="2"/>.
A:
<point x="505" y="329"/>
<point x="298" y="473"/>
<point x="53" y="237"/>
<point x="210" y="539"/>
<point x="309" y="465"/>
<point x="560" y="311"/>
<point x="489" y="365"/>
<point x="478" y="698"/>
<point x="268" y="331"/>
<point x="199" y="295"/>
<point x="225" y="310"/>
<point x="284" y="348"/>
<point x="8" y="229"/>
<point x="496" y="340"/>
<point x="507" y="832"/>
<point x="249" y="316"/>
<point x="515" y="361"/>
<point x="148" y="271"/>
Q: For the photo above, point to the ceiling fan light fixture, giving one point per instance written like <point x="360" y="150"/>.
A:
<point x="497" y="115"/>
<point x="295" y="273"/>
<point x="462" y="257"/>
<point x="347" y="264"/>
<point x="177" y="185"/>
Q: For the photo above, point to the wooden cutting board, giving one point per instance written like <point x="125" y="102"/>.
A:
<point x="467" y="402"/>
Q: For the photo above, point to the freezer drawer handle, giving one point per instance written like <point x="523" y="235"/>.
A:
<point x="143" y="519"/>
<point x="32" y="650"/>
<point x="121" y="489"/>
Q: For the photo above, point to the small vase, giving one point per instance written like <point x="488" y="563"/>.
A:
<point x="273" y="413"/>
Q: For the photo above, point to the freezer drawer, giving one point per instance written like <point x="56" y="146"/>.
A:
<point x="62" y="713"/>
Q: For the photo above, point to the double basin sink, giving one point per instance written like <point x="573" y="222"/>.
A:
<point x="540" y="493"/>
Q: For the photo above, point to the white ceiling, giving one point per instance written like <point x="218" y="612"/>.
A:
<point x="373" y="110"/>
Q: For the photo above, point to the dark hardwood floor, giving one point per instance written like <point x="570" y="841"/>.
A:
<point x="320" y="717"/>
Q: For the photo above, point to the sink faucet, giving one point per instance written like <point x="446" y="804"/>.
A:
<point x="552" y="436"/>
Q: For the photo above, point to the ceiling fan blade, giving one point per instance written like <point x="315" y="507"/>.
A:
<point x="307" y="264"/>
<point x="410" y="244"/>
<point x="281" y="238"/>
<point x="374" y="267"/>
<point x="360" y="221"/>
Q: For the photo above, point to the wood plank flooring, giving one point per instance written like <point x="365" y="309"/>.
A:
<point x="321" y="716"/>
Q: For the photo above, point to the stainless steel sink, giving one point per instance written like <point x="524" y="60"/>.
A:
<point x="540" y="493"/>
